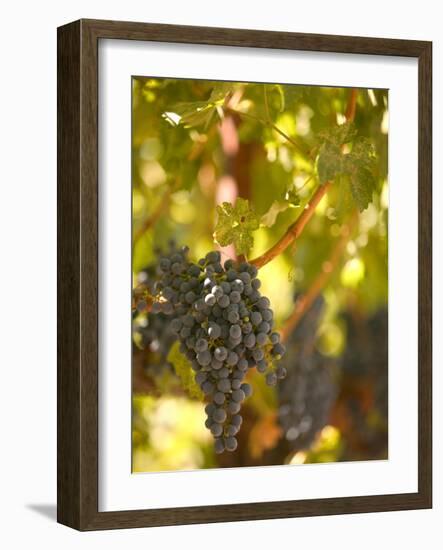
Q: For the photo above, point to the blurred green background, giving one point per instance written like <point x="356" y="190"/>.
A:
<point x="196" y="144"/>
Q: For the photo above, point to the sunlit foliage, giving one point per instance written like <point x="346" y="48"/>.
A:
<point x="232" y="166"/>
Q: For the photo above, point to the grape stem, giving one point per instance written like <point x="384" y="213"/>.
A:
<point x="305" y="301"/>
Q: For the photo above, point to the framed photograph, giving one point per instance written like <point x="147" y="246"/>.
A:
<point x="244" y="275"/>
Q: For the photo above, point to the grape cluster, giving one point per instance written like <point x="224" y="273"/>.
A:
<point x="366" y="354"/>
<point x="225" y="327"/>
<point x="307" y="394"/>
<point x="151" y="332"/>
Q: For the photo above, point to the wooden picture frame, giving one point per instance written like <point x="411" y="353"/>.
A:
<point x="78" y="274"/>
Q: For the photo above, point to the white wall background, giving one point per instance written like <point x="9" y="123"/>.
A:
<point x="28" y="271"/>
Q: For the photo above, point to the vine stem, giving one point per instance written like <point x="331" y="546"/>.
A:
<point x="306" y="300"/>
<point x="153" y="218"/>
<point x="294" y="230"/>
<point x="352" y="105"/>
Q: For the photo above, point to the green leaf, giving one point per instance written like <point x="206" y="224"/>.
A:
<point x="198" y="113"/>
<point x="362" y="187"/>
<point x="358" y="166"/>
<point x="184" y="371"/>
<point x="329" y="163"/>
<point x="235" y="225"/>
<point x="339" y="135"/>
<point x="220" y="91"/>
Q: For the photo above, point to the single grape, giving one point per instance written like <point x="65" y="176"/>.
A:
<point x="210" y="300"/>
<point x="223" y="301"/>
<point x="249" y="340"/>
<point x="208" y="387"/>
<point x="230" y="443"/>
<point x="263" y="303"/>
<point x="219" y="446"/>
<point x="204" y="358"/>
<point x="261" y="338"/>
<point x="235" y="331"/>
<point x="232" y="358"/>
<point x="256" y="318"/>
<point x="219" y="415"/>
<point x="245" y="278"/>
<point x="213" y="256"/>
<point x="281" y="372"/>
<point x="233" y="407"/>
<point x="267" y="315"/>
<point x="233" y="317"/>
<point x="238" y="396"/>
<point x="264" y="327"/>
<point x="231" y="430"/>
<point x="219" y="398"/>
<point x="220" y="353"/>
<point x="236" y="420"/>
<point x="216" y="364"/>
<point x="214" y="331"/>
<point x="271" y="379"/>
<point x="216" y="429"/>
<point x="256" y="284"/>
<point x="201" y="345"/>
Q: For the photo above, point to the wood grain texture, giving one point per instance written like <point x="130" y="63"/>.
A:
<point x="68" y="275"/>
<point x="77" y="454"/>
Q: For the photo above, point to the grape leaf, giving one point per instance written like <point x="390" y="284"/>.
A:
<point x="329" y="163"/>
<point x="362" y="187"/>
<point x="235" y="225"/>
<point x="193" y="114"/>
<point x="358" y="165"/>
<point x="330" y="156"/>
<point x="200" y="113"/>
<point x="184" y="371"/>
<point x="339" y="135"/>
<point x="363" y="150"/>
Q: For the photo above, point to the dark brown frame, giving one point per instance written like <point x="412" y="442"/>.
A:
<point x="77" y="456"/>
